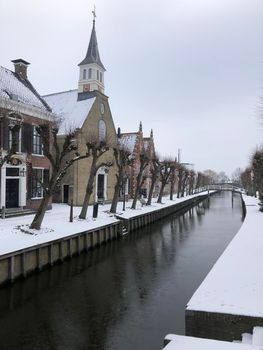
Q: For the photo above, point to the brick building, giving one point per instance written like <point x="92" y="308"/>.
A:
<point x="20" y="103"/>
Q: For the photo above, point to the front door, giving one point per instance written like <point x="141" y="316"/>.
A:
<point x="12" y="189"/>
<point x="100" y="189"/>
<point x="65" y="193"/>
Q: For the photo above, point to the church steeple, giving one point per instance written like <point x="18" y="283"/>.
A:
<point x="91" y="69"/>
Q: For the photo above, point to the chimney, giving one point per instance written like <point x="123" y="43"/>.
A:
<point x="21" y="67"/>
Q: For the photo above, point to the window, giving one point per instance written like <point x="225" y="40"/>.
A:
<point x="102" y="130"/>
<point x="37" y="179"/>
<point x="18" y="140"/>
<point x="90" y="73"/>
<point x="84" y="74"/>
<point x="98" y="75"/>
<point x="37" y="142"/>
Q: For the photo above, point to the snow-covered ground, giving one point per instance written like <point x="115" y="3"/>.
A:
<point x="179" y="342"/>
<point x="56" y="223"/>
<point x="235" y="283"/>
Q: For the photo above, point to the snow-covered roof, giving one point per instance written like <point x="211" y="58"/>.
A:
<point x="71" y="111"/>
<point x="12" y="87"/>
<point x="235" y="283"/>
<point x="179" y="342"/>
<point x="128" y="140"/>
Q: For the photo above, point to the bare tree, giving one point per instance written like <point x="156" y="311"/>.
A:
<point x="246" y="181"/>
<point x="257" y="168"/>
<point x="185" y="180"/>
<point x="60" y="160"/>
<point x="95" y="149"/>
<point x="154" y="170"/>
<point x="166" y="168"/>
<point x="141" y="177"/>
<point x="180" y="172"/>
<point x="192" y="177"/>
<point x="123" y="159"/>
<point x="173" y="176"/>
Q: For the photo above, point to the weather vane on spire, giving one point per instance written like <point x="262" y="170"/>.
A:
<point x="94" y="13"/>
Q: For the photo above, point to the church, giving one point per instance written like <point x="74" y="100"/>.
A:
<point x="87" y="110"/>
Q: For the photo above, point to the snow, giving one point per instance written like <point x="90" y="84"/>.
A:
<point x="11" y="85"/>
<point x="128" y="141"/>
<point x="235" y="283"/>
<point x="72" y="112"/>
<point x="179" y="342"/>
<point x="56" y="224"/>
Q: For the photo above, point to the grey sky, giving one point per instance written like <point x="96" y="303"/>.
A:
<point x="190" y="69"/>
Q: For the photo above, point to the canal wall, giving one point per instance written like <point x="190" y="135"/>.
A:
<point x="25" y="261"/>
<point x="17" y="263"/>
<point x="229" y="301"/>
<point x="137" y="221"/>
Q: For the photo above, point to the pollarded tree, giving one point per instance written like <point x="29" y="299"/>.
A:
<point x="192" y="178"/>
<point x="60" y="158"/>
<point x="123" y="159"/>
<point x="145" y="159"/>
<point x="185" y="181"/>
<point x="173" y="176"/>
<point x="166" y="167"/>
<point x="180" y="173"/>
<point x="95" y="149"/>
<point x="154" y="170"/>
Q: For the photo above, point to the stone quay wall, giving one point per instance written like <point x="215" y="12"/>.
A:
<point x="23" y="262"/>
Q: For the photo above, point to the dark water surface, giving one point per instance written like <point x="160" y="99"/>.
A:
<point x="126" y="295"/>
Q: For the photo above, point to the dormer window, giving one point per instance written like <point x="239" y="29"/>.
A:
<point x="90" y="73"/>
<point x="84" y="74"/>
<point x="98" y="75"/>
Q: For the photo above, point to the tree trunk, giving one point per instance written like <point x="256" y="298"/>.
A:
<point x="37" y="221"/>
<point x="137" y="190"/>
<point x="161" y="193"/>
<point x="88" y="194"/>
<point x="89" y="189"/>
<point x="149" y="201"/>
<point x="114" y="203"/>
<point x="172" y="190"/>
<point x="179" y="186"/>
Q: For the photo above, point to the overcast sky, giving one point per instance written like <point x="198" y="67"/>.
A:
<point x="190" y="69"/>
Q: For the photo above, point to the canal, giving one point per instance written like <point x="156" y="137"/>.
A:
<point x="126" y="295"/>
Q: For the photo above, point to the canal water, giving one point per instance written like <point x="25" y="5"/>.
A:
<point x="126" y="295"/>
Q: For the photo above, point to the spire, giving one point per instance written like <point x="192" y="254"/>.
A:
<point x="140" y="127"/>
<point x="93" y="55"/>
<point x="151" y="135"/>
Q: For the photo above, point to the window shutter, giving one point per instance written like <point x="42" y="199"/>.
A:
<point x="27" y="138"/>
<point x="29" y="181"/>
<point x="46" y="177"/>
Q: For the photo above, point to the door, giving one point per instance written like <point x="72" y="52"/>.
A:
<point x="65" y="193"/>
<point x="100" y="188"/>
<point x="12" y="189"/>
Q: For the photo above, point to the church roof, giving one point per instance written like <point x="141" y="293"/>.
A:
<point x="93" y="55"/>
<point x="128" y="140"/>
<point x="14" y="88"/>
<point x="73" y="112"/>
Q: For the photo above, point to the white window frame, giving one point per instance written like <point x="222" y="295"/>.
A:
<point x="36" y="135"/>
<point x="42" y="179"/>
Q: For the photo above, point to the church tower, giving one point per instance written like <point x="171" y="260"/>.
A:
<point x="91" y="69"/>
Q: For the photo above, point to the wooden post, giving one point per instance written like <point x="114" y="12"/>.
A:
<point x="71" y="211"/>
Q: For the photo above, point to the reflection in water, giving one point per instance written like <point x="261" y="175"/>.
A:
<point x="126" y="295"/>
